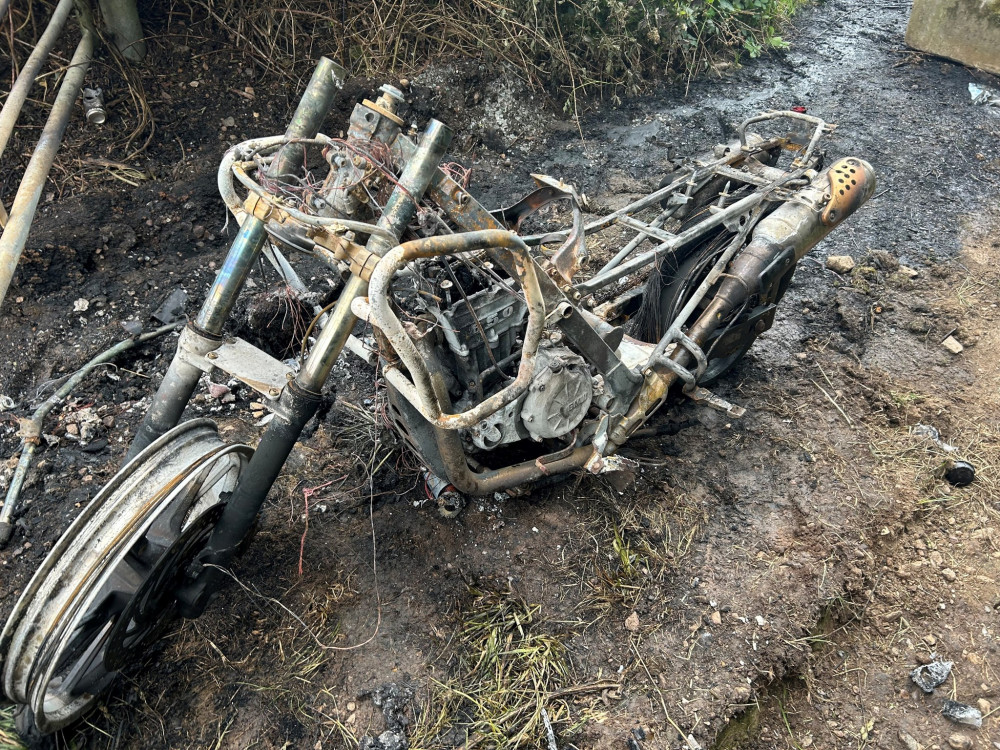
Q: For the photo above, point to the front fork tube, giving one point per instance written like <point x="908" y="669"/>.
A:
<point x="182" y="377"/>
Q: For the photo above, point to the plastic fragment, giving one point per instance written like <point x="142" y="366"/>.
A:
<point x="962" y="713"/>
<point x="984" y="95"/>
<point x="929" y="676"/>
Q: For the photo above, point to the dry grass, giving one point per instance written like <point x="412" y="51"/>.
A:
<point x="508" y="671"/>
<point x="590" y="45"/>
<point x="8" y="737"/>
<point x="512" y="673"/>
<point x="636" y="549"/>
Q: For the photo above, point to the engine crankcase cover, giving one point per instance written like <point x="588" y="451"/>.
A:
<point x="559" y="395"/>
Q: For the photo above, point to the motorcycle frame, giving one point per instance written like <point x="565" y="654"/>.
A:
<point x="638" y="375"/>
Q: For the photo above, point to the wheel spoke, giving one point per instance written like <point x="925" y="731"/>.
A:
<point x="86" y="670"/>
<point x="128" y="575"/>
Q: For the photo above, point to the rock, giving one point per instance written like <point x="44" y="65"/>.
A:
<point x="952" y="345"/>
<point x="229" y="122"/>
<point x="909" y="742"/>
<point x="95" y="446"/>
<point x="388" y="740"/>
<point x="217" y="390"/>
<point x="910" y="273"/>
<point x="949" y="575"/>
<point x="960" y="30"/>
<point x="132" y="327"/>
<point x="81" y="305"/>
<point x="960" y="742"/>
<point x="984" y="706"/>
<point x="840" y="263"/>
<point x="937" y="560"/>
<point x="632" y="622"/>
<point x="715" y="618"/>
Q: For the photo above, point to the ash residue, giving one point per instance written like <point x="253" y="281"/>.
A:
<point x="394" y="700"/>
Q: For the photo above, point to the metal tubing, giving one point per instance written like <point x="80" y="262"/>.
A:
<point x="309" y="115"/>
<point x="400" y="209"/>
<point x="26" y="78"/>
<point x="420" y="392"/>
<point x="638" y="240"/>
<point x="717" y="270"/>
<point x="175" y="391"/>
<point x="332" y="337"/>
<point x="699" y="229"/>
<point x="229" y="281"/>
<point x="15" y="234"/>
<point x="418" y="174"/>
<point x="795" y="225"/>
<point x="121" y="18"/>
<point x="494" y="480"/>
<point x="296" y="408"/>
<point x="182" y="377"/>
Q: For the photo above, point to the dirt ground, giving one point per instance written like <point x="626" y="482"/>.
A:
<point x="768" y="582"/>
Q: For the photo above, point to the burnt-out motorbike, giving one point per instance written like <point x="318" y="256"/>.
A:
<point x="507" y="359"/>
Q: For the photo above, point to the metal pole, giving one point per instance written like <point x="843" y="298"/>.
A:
<point x="15" y="234"/>
<point x="26" y="78"/>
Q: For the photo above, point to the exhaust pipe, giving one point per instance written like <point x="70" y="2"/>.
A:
<point x="778" y="242"/>
<point x="782" y="238"/>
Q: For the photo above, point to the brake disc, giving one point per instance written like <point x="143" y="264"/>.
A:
<point x="105" y="591"/>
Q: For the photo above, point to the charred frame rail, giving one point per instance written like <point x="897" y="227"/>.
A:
<point x="418" y="388"/>
<point x="779" y="241"/>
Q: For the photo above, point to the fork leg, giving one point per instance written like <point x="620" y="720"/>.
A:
<point x="205" y="333"/>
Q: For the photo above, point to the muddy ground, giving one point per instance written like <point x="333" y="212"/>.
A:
<point x="756" y="583"/>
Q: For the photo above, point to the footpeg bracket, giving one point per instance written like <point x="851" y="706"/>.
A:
<point x="705" y="397"/>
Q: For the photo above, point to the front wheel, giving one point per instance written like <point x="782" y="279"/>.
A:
<point x="106" y="591"/>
